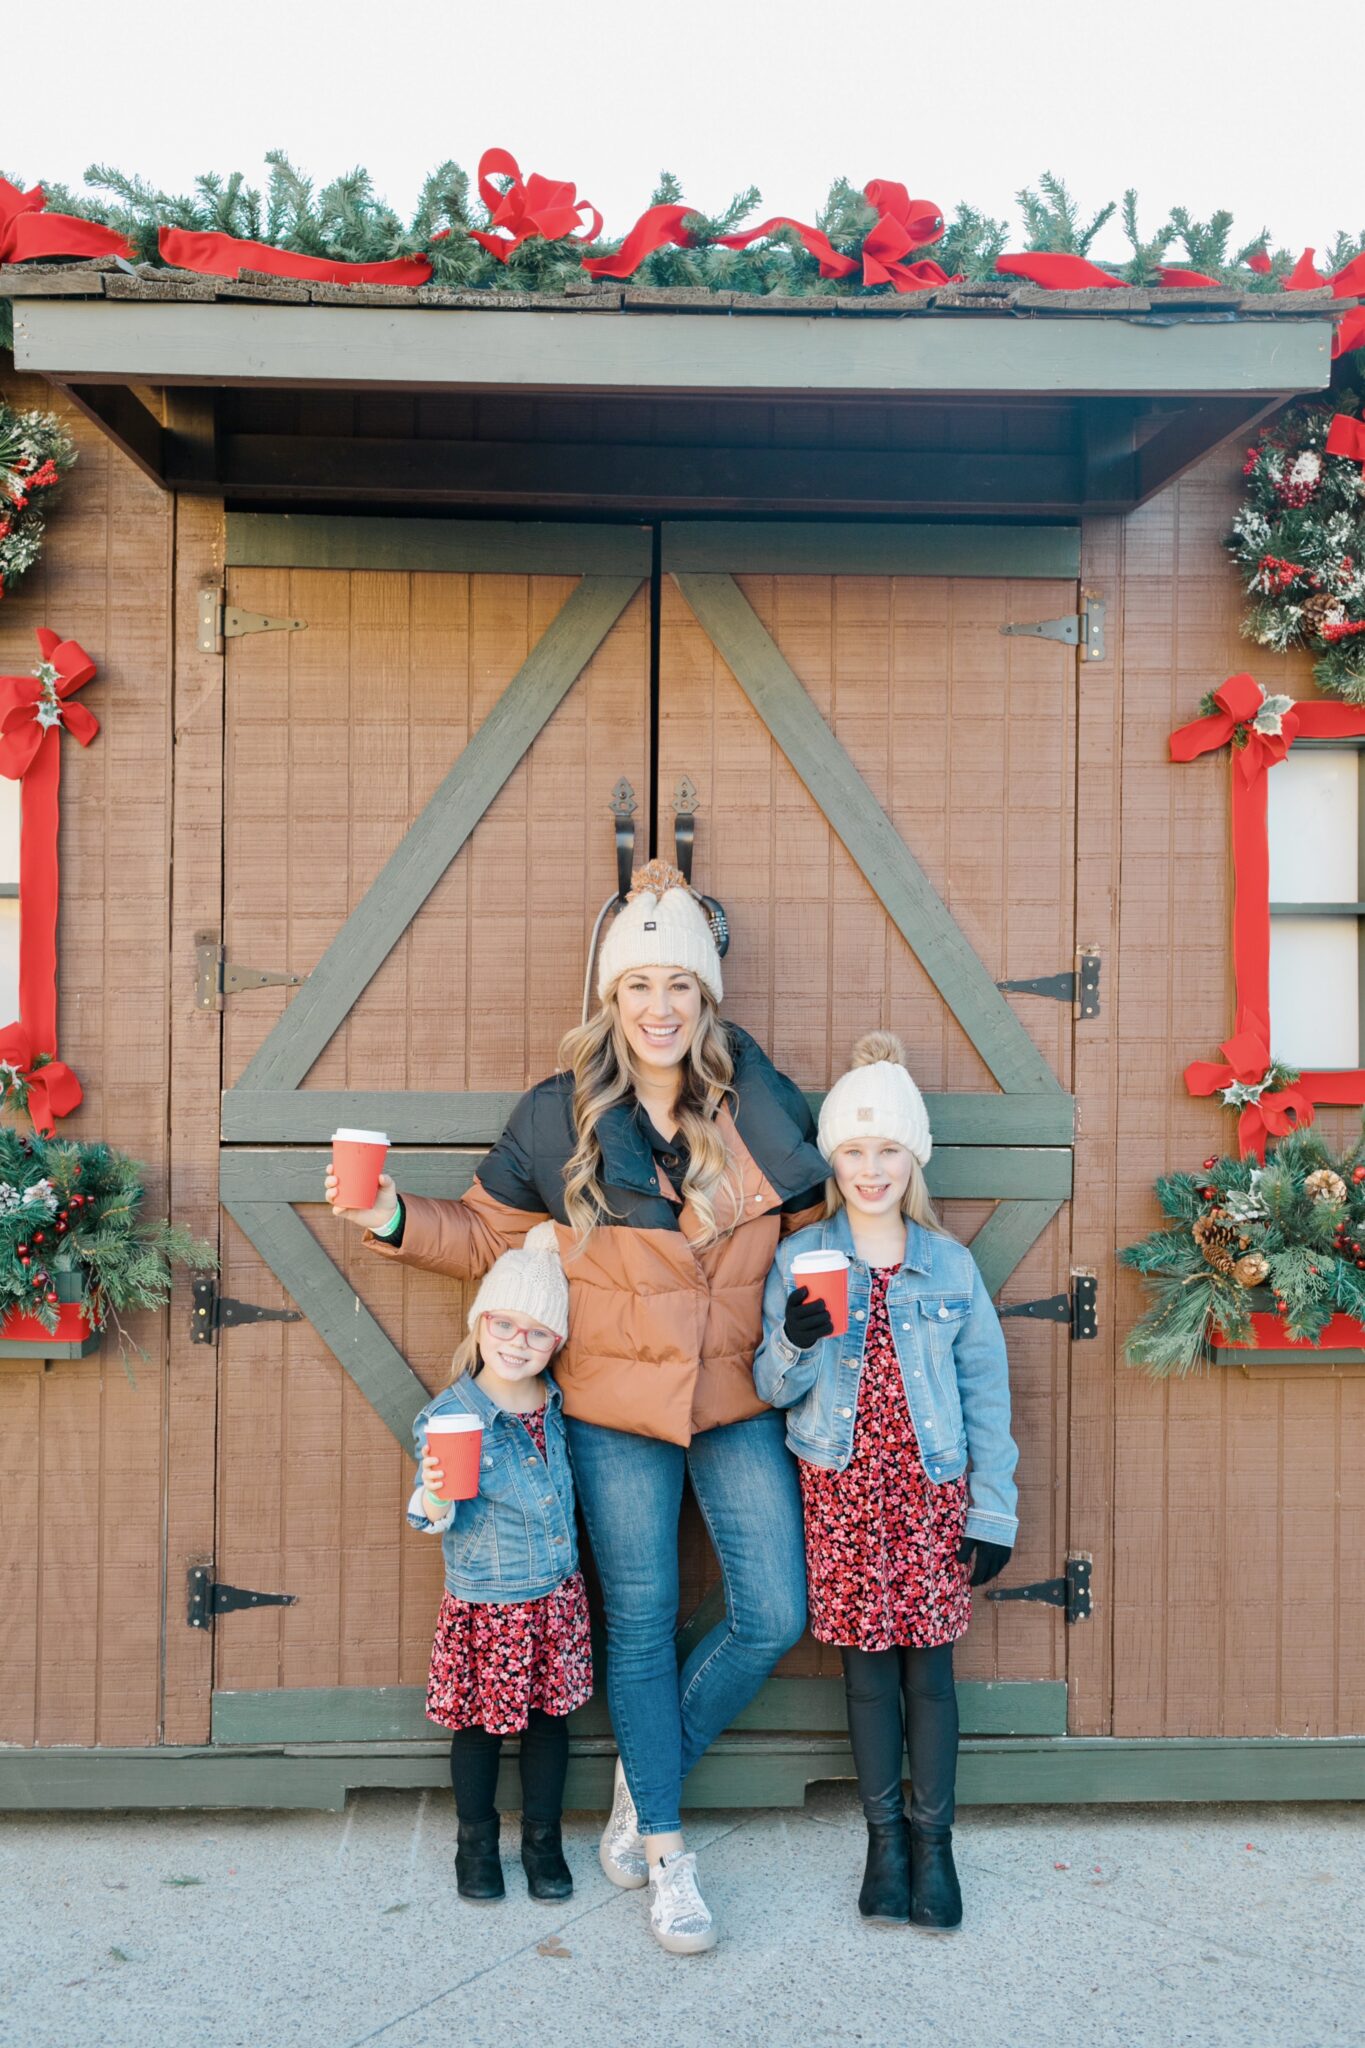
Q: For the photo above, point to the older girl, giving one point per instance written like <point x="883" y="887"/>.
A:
<point x="671" y="1155"/>
<point x="884" y="1420"/>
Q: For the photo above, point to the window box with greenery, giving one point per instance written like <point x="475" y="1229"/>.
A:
<point x="77" y="1250"/>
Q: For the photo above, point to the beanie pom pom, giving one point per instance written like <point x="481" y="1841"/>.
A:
<point x="875" y="1046"/>
<point x="657" y="878"/>
<point x="541" y="1237"/>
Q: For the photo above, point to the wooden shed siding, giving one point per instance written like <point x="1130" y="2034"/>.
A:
<point x="82" y="1447"/>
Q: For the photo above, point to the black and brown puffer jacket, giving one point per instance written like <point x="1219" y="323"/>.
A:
<point x="661" y="1336"/>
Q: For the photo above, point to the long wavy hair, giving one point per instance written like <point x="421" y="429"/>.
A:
<point x="599" y="1057"/>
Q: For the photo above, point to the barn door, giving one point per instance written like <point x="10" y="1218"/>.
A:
<point x="887" y="786"/>
<point x="417" y="789"/>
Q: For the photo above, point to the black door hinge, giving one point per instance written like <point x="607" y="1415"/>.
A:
<point x="207" y="1598"/>
<point x="214" y="1312"/>
<point x="1072" y="1592"/>
<point x="1079" y="1308"/>
<point x="1081" y="989"/>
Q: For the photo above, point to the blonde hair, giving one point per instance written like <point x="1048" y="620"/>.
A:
<point x="466" y="1355"/>
<point x="916" y="1202"/>
<point x="599" y="1057"/>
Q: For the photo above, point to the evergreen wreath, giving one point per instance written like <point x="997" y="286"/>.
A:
<point x="1299" y="541"/>
<point x="71" y="1230"/>
<point x="35" y="453"/>
<point x="1295" y="1227"/>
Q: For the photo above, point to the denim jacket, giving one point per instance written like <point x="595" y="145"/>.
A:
<point x="516" y="1539"/>
<point x="951" y="1352"/>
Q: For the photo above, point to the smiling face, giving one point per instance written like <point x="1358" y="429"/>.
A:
<point x="660" y="1009"/>
<point x="514" y="1348"/>
<point x="873" y="1174"/>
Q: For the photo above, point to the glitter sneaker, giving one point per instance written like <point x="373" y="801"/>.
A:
<point x="679" y="1918"/>
<point x="622" y="1850"/>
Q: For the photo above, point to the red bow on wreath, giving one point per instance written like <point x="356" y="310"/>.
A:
<point x="27" y="230"/>
<point x="46" y="1087"/>
<point x="530" y="206"/>
<point x="1346" y="436"/>
<point x="31" y="705"/>
<point x="1243" y="1081"/>
<point x="1261" y="728"/>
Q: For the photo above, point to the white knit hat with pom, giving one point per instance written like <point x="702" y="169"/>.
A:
<point x="876" y="1099"/>
<point x="529" y="1282"/>
<point x="661" y="924"/>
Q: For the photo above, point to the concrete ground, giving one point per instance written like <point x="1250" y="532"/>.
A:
<point x="1090" y="1927"/>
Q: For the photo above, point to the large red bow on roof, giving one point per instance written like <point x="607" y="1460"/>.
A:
<point x="30" y="706"/>
<point x="27" y="230"/>
<point x="1266" y="1113"/>
<point x="51" y="1088"/>
<point x="548" y="207"/>
<point x="1241" y="702"/>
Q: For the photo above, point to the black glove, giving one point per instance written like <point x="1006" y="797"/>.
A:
<point x="806" y="1322"/>
<point x="987" y="1560"/>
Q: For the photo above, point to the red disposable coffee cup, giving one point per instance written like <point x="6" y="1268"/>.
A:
<point x="824" y="1275"/>
<point x="357" y="1161"/>
<point x="456" y="1443"/>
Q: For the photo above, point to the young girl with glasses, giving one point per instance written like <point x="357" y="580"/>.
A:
<point x="511" y="1653"/>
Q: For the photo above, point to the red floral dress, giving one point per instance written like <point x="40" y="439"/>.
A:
<point x="881" y="1538"/>
<point x="493" y="1660"/>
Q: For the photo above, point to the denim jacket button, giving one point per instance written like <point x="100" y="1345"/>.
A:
<point x="857" y="1315"/>
<point x="905" y="1326"/>
<point x="918" y="1374"/>
<point x="942" y="1313"/>
<point x="846" y="1411"/>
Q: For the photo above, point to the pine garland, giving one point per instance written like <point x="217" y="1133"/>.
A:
<point x="1299" y="540"/>
<point x="35" y="453"/>
<point x="1295" y="1226"/>
<point x="71" y="1227"/>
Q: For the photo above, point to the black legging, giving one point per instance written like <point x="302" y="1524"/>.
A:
<point x="898" y="1699"/>
<point x="474" y="1755"/>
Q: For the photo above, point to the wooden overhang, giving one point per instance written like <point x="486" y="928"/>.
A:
<point x="967" y="400"/>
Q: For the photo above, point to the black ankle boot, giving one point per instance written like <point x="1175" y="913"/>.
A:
<point x="935" y="1896"/>
<point x="886" y="1879"/>
<point x="478" y="1868"/>
<point x="542" y="1858"/>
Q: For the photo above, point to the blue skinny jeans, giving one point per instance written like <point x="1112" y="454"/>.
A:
<point x="630" y="1491"/>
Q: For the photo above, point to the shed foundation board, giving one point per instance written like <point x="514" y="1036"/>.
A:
<point x="390" y="347"/>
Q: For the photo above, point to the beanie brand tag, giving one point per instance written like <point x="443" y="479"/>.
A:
<point x="864" y="1116"/>
<point x="651" y="927"/>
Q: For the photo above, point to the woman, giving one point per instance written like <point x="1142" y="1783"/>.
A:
<point x="671" y="1155"/>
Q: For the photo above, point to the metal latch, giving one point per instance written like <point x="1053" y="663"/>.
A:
<point x="220" y="621"/>
<point x="1081" y="988"/>
<point x="1072" y="1592"/>
<point x="214" y="978"/>
<point x="214" y="1312"/>
<point x="1080" y="1308"/>
<point x="207" y="1598"/>
<point x="1083" y="629"/>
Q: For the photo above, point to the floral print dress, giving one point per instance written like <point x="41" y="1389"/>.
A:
<point x="881" y="1538"/>
<point x="493" y="1660"/>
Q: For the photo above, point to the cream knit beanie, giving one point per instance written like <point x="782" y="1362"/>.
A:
<point x="876" y="1099"/>
<point x="660" y="925"/>
<point x="529" y="1283"/>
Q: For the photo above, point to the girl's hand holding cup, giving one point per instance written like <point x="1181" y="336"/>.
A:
<point x="432" y="1480"/>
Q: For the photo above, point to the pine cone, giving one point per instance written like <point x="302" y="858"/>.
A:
<point x="1215" y="1238"/>
<point x="1251" y="1270"/>
<point x="1322" y="609"/>
<point x="1325" y="1186"/>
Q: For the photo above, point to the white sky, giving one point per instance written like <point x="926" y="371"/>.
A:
<point x="1192" y="102"/>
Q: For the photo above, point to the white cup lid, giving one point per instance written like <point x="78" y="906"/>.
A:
<point x="819" y="1262"/>
<point x="361" y="1137"/>
<point x="452" y="1425"/>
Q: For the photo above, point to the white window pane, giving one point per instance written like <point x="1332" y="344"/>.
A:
<point x="9" y="960"/>
<point x="1314" y="991"/>
<point x="1314" y="798"/>
<point x="9" y="830"/>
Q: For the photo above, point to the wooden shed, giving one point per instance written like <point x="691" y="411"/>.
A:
<point x="392" y="593"/>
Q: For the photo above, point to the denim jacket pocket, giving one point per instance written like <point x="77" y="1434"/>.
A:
<point x="941" y="1318"/>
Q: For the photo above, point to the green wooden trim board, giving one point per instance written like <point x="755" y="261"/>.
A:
<point x="1011" y="1230"/>
<point x="288" y="1116"/>
<point x="430" y="844"/>
<point x="316" y="540"/>
<point x="743" y="547"/>
<point x="909" y="897"/>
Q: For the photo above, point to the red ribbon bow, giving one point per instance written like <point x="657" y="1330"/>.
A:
<point x="1240" y="699"/>
<point x="1278" y="1111"/>
<point x="1059" y="273"/>
<point x="1346" y="436"/>
<point x="27" y="230"/>
<point x="53" y="1089"/>
<point x="215" y="255"/>
<point x="548" y="207"/>
<point x="27" y="712"/>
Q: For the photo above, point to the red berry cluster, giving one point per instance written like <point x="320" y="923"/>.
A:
<point x="1276" y="574"/>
